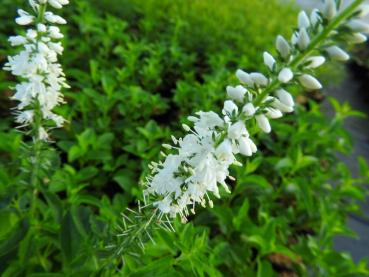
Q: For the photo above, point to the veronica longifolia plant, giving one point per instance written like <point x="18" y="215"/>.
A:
<point x="197" y="166"/>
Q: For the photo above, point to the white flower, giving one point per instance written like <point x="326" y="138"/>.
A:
<point x="248" y="109"/>
<point x="285" y="75"/>
<point x="237" y="130"/>
<point x="55" y="19"/>
<point x="309" y="82"/>
<point x="263" y="123"/>
<point x="269" y="61"/>
<point x="24" y="18"/>
<point x="224" y="152"/>
<point x="337" y="53"/>
<point x="230" y="108"/>
<point x="55" y="32"/>
<point x="303" y="20"/>
<point x="236" y="93"/>
<point x="41" y="28"/>
<point x="42" y="134"/>
<point x="246" y="146"/>
<point x="259" y="79"/>
<point x="25" y="117"/>
<point x="58" y="4"/>
<point x="17" y="40"/>
<point x="165" y="181"/>
<point x="244" y="78"/>
<point x="314" y="62"/>
<point x="208" y="120"/>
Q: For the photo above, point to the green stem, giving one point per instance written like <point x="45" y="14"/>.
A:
<point x="315" y="43"/>
<point x="37" y="142"/>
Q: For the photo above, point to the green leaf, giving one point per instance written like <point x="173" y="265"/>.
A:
<point x="70" y="240"/>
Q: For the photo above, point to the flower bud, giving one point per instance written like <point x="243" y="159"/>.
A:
<point x="357" y="38"/>
<point x="285" y="75"/>
<point x="17" y="40"/>
<point x="337" y="53"/>
<point x="263" y="123"/>
<point x="304" y="39"/>
<point x="330" y="9"/>
<point x="55" y="4"/>
<point x="285" y="97"/>
<point x="358" y="26"/>
<point x="283" y="47"/>
<point x="237" y="130"/>
<point x="314" y="62"/>
<point x="303" y="20"/>
<point x="259" y="79"/>
<point x="244" y="78"/>
<point x="236" y="93"/>
<point x="273" y="113"/>
<point x="245" y="147"/>
<point x="248" y="109"/>
<point x="309" y="82"/>
<point x="24" y="18"/>
<point x="315" y="17"/>
<point x="281" y="106"/>
<point x="230" y="108"/>
<point x="269" y="61"/>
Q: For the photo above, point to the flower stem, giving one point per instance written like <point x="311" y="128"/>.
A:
<point x="37" y="142"/>
<point x="316" y="42"/>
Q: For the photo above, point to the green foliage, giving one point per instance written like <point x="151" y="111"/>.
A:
<point x="137" y="69"/>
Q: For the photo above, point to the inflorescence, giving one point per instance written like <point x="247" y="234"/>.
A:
<point x="37" y="66"/>
<point x="197" y="165"/>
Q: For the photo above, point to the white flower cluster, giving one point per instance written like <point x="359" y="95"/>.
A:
<point x="37" y="65"/>
<point x="200" y="161"/>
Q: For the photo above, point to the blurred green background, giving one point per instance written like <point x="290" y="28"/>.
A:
<point x="137" y="69"/>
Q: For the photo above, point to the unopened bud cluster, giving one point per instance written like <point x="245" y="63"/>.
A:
<point x="197" y="165"/>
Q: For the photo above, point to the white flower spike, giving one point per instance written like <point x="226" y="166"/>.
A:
<point x="36" y="64"/>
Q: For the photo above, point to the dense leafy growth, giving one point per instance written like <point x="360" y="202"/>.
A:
<point x="137" y="69"/>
